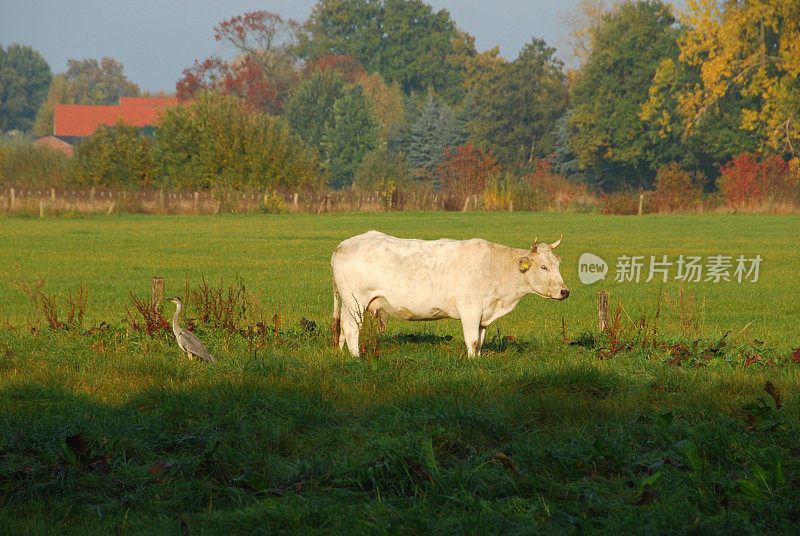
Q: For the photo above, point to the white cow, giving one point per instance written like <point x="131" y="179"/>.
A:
<point x="473" y="280"/>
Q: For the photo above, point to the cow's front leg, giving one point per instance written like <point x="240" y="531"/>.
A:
<point x="471" y="324"/>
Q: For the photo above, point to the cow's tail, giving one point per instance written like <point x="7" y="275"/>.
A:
<point x="337" y="317"/>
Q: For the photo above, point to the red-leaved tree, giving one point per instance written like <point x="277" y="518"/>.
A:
<point x="264" y="70"/>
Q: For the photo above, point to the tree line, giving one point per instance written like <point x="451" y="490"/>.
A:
<point x="381" y="93"/>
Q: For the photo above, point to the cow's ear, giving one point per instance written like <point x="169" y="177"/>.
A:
<point x="524" y="264"/>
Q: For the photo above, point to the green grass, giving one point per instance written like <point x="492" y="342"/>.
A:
<point x="288" y="435"/>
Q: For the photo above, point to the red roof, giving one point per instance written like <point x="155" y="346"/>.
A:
<point x="83" y="119"/>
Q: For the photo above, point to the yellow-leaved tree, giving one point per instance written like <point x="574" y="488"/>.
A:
<point x="752" y="48"/>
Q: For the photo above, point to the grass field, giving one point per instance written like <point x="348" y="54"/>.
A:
<point x="657" y="428"/>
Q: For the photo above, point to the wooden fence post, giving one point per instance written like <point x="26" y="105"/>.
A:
<point x="53" y="195"/>
<point x="466" y="204"/>
<point x="11" y="199"/>
<point x="602" y="311"/>
<point x="156" y="293"/>
<point x="197" y="202"/>
<point x="511" y="205"/>
<point x="641" y="202"/>
<point x="41" y="208"/>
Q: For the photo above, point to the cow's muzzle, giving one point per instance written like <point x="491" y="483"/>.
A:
<point x="564" y="293"/>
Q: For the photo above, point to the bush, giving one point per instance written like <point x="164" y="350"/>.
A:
<point x="465" y="171"/>
<point x="677" y="190"/>
<point x="624" y="202"/>
<point x="747" y="182"/>
<point x="115" y="156"/>
<point x="33" y="166"/>
<point x="543" y="190"/>
<point x="378" y="167"/>
<point x="215" y="142"/>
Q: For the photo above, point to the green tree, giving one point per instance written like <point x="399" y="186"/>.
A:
<point x="86" y="81"/>
<point x="428" y="132"/>
<point x="98" y="82"/>
<point x="516" y="109"/>
<point x="216" y="142"/>
<point x="119" y="156"/>
<point x="310" y="109"/>
<point x="403" y="40"/>
<point x="24" y="79"/>
<point x="379" y="168"/>
<point x="612" y="142"/>
<point x="350" y="136"/>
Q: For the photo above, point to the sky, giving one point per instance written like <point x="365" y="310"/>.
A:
<point x="156" y="40"/>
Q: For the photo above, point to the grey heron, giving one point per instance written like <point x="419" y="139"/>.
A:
<point x="188" y="341"/>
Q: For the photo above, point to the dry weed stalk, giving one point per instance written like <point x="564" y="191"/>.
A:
<point x="153" y="319"/>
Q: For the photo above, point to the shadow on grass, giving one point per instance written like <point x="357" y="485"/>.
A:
<point x="293" y="448"/>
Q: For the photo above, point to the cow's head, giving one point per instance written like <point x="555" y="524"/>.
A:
<point x="540" y="267"/>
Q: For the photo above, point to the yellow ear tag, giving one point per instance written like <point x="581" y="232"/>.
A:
<point x="524" y="264"/>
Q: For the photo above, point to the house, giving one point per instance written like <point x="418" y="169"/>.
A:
<point x="74" y="121"/>
<point x="55" y="144"/>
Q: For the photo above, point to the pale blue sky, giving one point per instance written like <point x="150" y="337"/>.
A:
<point x="156" y="39"/>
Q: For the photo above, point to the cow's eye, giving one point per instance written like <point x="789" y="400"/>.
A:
<point x="544" y="267"/>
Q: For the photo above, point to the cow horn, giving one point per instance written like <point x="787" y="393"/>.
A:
<point x="533" y="246"/>
<point x="555" y="244"/>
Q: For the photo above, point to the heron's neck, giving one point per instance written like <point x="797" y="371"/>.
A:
<point x="175" y="327"/>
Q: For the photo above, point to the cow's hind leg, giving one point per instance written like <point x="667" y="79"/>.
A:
<point x="351" y="326"/>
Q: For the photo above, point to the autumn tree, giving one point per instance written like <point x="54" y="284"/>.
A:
<point x="386" y="101"/>
<point x="705" y="145"/>
<point x="581" y="24"/>
<point x="516" y="108"/>
<point x="349" y="67"/>
<point x="476" y="69"/>
<point x="24" y="79"/>
<point x="264" y="69"/>
<point x="750" y="48"/>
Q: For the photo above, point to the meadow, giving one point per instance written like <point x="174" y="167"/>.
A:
<point x="683" y="419"/>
